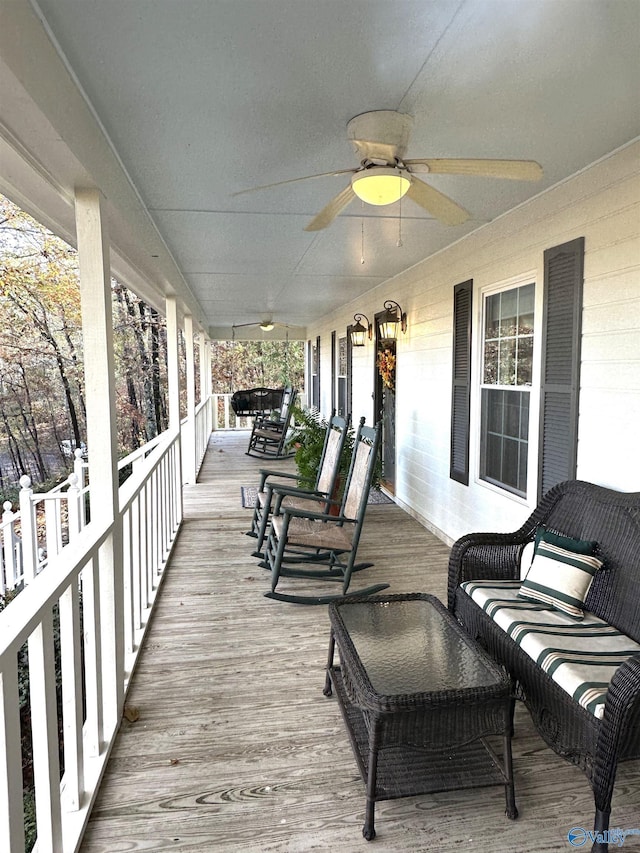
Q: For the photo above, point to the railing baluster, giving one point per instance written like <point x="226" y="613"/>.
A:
<point x="44" y="734"/>
<point x="128" y="585"/>
<point x="8" y="573"/>
<point x="11" y="814"/>
<point x="136" y="579"/>
<point x="144" y="549"/>
<point x="92" y="657"/>
<point x="71" y="676"/>
<point x="28" y="530"/>
<point x="74" y="507"/>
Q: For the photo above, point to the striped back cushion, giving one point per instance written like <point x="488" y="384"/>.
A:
<point x="560" y="577"/>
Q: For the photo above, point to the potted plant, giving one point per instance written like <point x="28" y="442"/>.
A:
<point x="307" y="437"/>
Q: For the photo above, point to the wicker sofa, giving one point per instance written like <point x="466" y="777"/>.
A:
<point x="610" y="521"/>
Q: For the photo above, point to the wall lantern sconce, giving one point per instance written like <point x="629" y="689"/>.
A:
<point x="393" y="320"/>
<point x="359" y="331"/>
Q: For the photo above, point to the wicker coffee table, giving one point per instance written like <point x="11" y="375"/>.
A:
<point x="418" y="699"/>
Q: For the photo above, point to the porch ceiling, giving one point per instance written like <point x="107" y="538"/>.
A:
<point x="171" y="106"/>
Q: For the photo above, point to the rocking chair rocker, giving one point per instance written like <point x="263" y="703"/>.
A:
<point x="294" y="495"/>
<point x="325" y="539"/>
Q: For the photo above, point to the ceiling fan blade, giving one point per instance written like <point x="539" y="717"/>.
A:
<point x="295" y="181"/>
<point x="331" y="210"/>
<point x="516" y="170"/>
<point x="436" y="203"/>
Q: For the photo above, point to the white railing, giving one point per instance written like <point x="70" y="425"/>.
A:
<point x="203" y="429"/>
<point x="47" y="521"/>
<point x="99" y="589"/>
<point x="223" y="415"/>
<point x="43" y="525"/>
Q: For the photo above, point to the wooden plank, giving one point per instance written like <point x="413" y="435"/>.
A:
<point x="237" y="750"/>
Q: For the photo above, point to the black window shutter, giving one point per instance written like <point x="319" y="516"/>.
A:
<point x="461" y="382"/>
<point x="561" y="339"/>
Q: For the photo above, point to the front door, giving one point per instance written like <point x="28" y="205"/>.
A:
<point x="384" y="402"/>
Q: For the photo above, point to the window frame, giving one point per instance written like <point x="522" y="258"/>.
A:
<point x="532" y="388"/>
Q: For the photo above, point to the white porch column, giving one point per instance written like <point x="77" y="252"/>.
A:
<point x="99" y="371"/>
<point x="203" y="350"/>
<point x="189" y="472"/>
<point x="205" y="377"/>
<point x="173" y="364"/>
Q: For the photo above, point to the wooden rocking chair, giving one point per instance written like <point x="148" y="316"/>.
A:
<point x="268" y="437"/>
<point x="297" y="496"/>
<point x="322" y="538"/>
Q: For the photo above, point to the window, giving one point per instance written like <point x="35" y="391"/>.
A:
<point x="506" y="387"/>
<point x="315" y="374"/>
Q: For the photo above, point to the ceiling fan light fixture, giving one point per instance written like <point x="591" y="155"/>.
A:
<point x="380" y="185"/>
<point x="266" y="326"/>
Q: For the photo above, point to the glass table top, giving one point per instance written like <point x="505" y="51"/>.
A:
<point x="412" y="646"/>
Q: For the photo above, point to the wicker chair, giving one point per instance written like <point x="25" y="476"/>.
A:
<point x="299" y="497"/>
<point x="612" y="519"/>
<point x="303" y="536"/>
<point x="268" y="437"/>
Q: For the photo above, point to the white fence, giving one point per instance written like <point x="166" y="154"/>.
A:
<point x="47" y="521"/>
<point x="96" y="597"/>
<point x="43" y="525"/>
<point x="223" y="415"/>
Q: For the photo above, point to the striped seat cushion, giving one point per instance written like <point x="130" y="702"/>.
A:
<point x="581" y="657"/>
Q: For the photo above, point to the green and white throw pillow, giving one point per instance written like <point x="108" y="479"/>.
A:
<point x="561" y="574"/>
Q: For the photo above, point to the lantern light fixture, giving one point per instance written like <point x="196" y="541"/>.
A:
<point x="359" y="331"/>
<point x="392" y="321"/>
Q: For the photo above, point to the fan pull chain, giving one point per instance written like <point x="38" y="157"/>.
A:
<point x="362" y="238"/>
<point x="399" y="243"/>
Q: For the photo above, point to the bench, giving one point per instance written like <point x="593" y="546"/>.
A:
<point x="579" y="676"/>
<point x="257" y="401"/>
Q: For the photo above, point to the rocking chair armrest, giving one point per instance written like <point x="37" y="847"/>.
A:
<point x="265" y="473"/>
<point x="315" y="516"/>
<point x="271" y="426"/>
<point x="281" y="492"/>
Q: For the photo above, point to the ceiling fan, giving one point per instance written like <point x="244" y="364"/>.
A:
<point x="380" y="140"/>
<point x="266" y="325"/>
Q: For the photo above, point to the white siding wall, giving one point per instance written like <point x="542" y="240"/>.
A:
<point x="602" y="204"/>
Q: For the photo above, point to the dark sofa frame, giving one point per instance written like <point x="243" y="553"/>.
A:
<point x="584" y="511"/>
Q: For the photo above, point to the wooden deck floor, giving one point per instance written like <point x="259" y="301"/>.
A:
<point x="236" y="749"/>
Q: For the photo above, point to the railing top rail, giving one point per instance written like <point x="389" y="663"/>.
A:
<point x="19" y="620"/>
<point x="140" y="451"/>
<point x="132" y="486"/>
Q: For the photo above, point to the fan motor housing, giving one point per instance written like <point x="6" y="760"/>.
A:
<point x="379" y="134"/>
